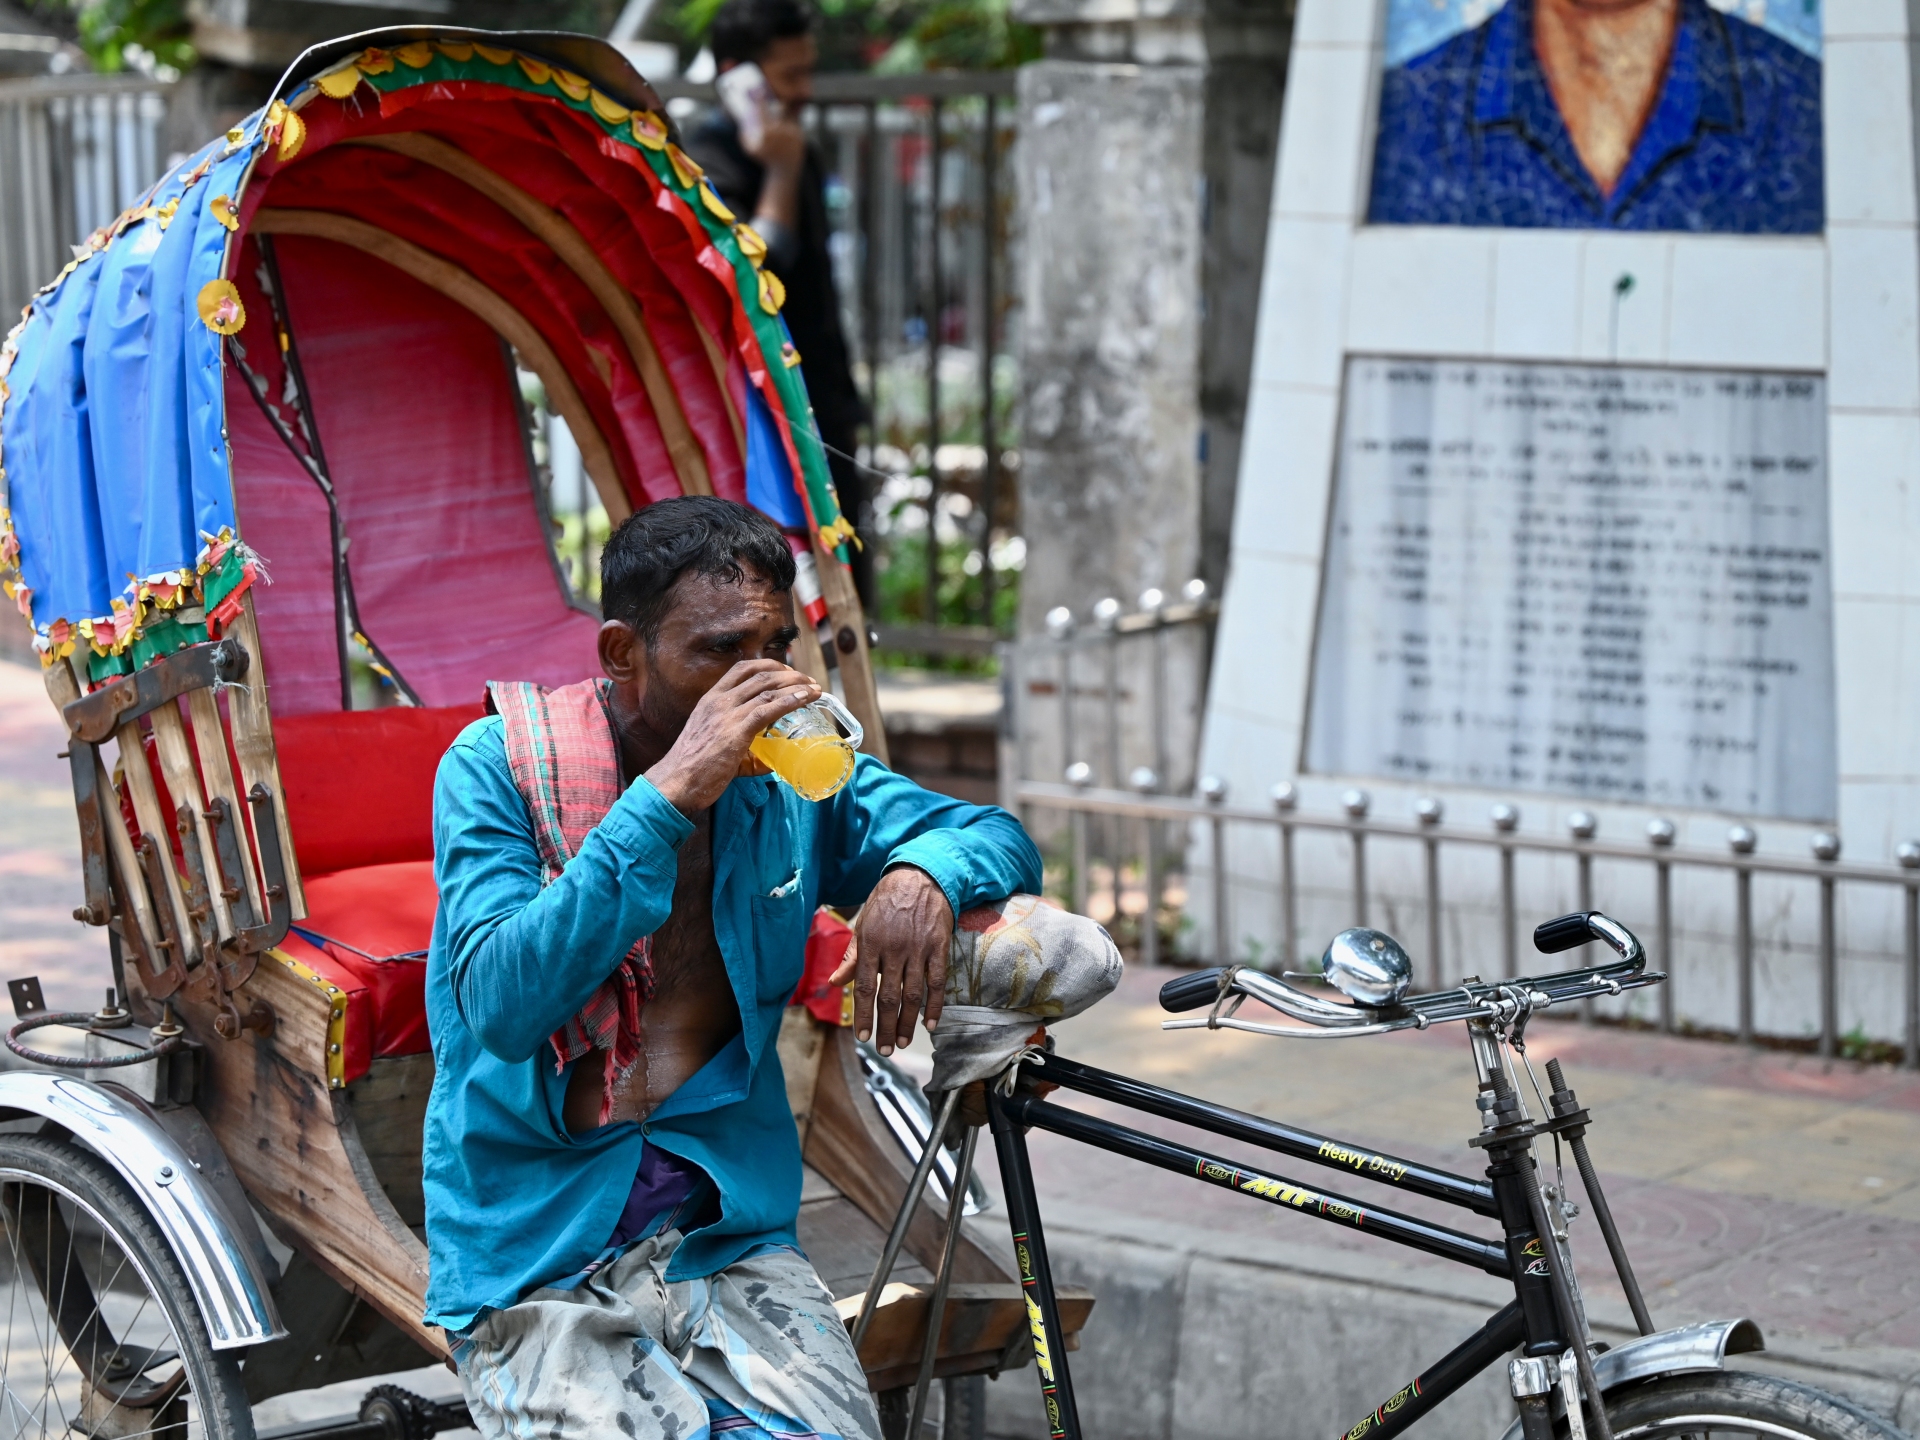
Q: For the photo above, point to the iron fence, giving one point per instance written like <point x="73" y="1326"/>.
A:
<point x="75" y="150"/>
<point x="920" y="196"/>
<point x="1210" y="817"/>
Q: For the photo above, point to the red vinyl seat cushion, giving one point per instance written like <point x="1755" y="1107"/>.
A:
<point x="359" y="789"/>
<point x="360" y="782"/>
<point x="366" y="933"/>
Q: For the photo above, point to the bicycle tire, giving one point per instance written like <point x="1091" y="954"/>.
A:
<point x="1736" y="1402"/>
<point x="112" y="1343"/>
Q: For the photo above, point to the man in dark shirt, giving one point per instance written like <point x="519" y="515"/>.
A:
<point x="777" y="179"/>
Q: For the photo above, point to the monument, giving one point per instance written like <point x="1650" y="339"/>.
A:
<point x="1583" y="431"/>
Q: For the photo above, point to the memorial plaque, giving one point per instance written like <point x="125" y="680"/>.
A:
<point x="1602" y="581"/>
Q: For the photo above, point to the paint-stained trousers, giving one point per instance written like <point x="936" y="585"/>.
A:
<point x="625" y="1352"/>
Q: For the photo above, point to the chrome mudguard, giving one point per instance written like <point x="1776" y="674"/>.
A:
<point x="1670" y="1352"/>
<point x="221" y="1266"/>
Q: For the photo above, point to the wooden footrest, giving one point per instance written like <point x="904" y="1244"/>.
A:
<point x="985" y="1329"/>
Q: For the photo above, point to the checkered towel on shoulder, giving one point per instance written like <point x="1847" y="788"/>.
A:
<point x="566" y="766"/>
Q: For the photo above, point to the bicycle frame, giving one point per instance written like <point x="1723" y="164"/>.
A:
<point x="1529" y="1321"/>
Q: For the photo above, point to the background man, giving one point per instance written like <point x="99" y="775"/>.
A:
<point x="777" y="178"/>
<point x="612" y="1172"/>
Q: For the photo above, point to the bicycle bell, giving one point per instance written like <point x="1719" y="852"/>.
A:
<point x="1367" y="966"/>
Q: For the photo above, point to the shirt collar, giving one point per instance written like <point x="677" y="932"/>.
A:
<point x="1701" y="92"/>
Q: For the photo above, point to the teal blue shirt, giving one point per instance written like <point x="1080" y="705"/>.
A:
<point x="515" y="1201"/>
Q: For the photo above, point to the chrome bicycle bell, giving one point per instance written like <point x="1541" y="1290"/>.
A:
<point x="1368" y="967"/>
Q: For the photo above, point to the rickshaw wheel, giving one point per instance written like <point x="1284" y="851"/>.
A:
<point x="102" y="1336"/>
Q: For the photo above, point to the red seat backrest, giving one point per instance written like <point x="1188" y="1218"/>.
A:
<point x="360" y="782"/>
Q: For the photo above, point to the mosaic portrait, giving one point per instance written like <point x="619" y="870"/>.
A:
<point x="1700" y="115"/>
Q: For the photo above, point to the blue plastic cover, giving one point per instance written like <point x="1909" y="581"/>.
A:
<point x="111" y="424"/>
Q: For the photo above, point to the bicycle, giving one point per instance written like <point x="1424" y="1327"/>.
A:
<point x="1565" y="1385"/>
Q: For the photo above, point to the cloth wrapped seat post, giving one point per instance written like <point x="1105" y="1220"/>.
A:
<point x="1015" y="967"/>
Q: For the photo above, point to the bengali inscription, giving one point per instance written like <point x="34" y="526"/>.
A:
<point x="1600" y="581"/>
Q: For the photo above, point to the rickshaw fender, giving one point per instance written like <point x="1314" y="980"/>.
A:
<point x="1667" y="1352"/>
<point x="227" y="1267"/>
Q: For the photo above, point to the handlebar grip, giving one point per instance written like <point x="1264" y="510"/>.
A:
<point x="1191" y="992"/>
<point x="1553" y="936"/>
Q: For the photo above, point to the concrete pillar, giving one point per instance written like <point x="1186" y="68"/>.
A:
<point x="1147" y="142"/>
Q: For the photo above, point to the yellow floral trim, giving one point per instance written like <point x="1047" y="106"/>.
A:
<point x="456" y="50"/>
<point x="607" y="108"/>
<point x="772" y="293"/>
<point x="491" y="55"/>
<point x="375" y="62"/>
<point x="840" y="530"/>
<point x="416" y="56"/>
<point x="220" y="307"/>
<point x="684" y="167"/>
<point x="339" y="84"/>
<point x="236" y="137"/>
<point x="538" y="71"/>
<point x="285" y="130"/>
<point x="221" y="208"/>
<point x="574" y="87"/>
<point x="750" y="243"/>
<point x="789" y="356"/>
<point x="336" y="1019"/>
<point x="165" y="213"/>
<point x="717" y="207"/>
<point x="649" y="130"/>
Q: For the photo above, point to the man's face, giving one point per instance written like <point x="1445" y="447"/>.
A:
<point x="788" y="64"/>
<point x="711" y="625"/>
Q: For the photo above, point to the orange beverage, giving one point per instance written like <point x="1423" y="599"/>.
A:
<point x="808" y="750"/>
<point x="814" y="765"/>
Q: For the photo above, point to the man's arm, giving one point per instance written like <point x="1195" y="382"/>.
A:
<point x="523" y="959"/>
<point x="916" y="860"/>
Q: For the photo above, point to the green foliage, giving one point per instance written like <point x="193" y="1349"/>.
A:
<point x="119" y="34"/>
<point x="900" y="36"/>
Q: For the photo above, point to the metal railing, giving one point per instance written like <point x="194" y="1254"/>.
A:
<point x="1211" y="815"/>
<point x="921" y="199"/>
<point x="75" y="150"/>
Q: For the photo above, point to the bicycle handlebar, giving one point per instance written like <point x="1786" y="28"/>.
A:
<point x="1473" y="999"/>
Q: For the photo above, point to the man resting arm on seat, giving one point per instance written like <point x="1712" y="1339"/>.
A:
<point x="612" y="1171"/>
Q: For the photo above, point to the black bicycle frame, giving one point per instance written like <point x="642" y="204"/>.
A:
<point x="1528" y="1321"/>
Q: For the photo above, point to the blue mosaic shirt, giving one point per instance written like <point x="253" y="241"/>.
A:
<point x="514" y="1199"/>
<point x="1470" y="135"/>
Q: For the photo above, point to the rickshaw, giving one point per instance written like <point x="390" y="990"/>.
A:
<point x="276" y="514"/>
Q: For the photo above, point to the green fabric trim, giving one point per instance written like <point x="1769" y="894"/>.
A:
<point x="105" y="667"/>
<point x="224" y="578"/>
<point x="768" y="330"/>
<point x="163" y="636"/>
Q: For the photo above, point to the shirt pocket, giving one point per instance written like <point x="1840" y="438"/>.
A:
<point x="779" y="944"/>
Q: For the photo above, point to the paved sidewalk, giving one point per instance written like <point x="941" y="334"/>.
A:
<point x="40" y="853"/>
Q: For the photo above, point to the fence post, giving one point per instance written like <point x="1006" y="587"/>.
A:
<point x="1355" y="803"/>
<point x="1430" y="812"/>
<point x="1741" y="840"/>
<point x="1908" y="854"/>
<point x="1146" y="782"/>
<point x="1506" y="819"/>
<point x="1214" y="790"/>
<point x="1583" y="827"/>
<point x="934" y="113"/>
<point x="1106" y="617"/>
<point x="1080" y="775"/>
<point x="1285" y="797"/>
<point x="989" y="431"/>
<point x="1660" y="833"/>
<point x="1826" y="849"/>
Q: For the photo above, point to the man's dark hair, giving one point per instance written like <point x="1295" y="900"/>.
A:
<point x="699" y="534"/>
<point x="743" y="29"/>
